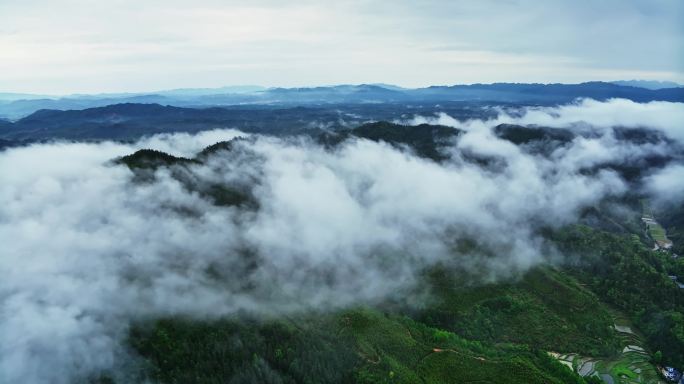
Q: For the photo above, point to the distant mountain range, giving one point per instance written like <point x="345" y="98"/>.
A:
<point x="130" y="121"/>
<point x="648" y="84"/>
<point x="15" y="106"/>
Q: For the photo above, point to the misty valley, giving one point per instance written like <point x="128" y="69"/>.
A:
<point x="345" y="242"/>
<point x="342" y="192"/>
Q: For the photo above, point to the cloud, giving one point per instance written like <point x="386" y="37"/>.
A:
<point x="667" y="185"/>
<point x="591" y="114"/>
<point x="88" y="250"/>
<point x="185" y="144"/>
<point x="665" y="116"/>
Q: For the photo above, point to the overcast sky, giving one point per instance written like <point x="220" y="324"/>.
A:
<point x="66" y="46"/>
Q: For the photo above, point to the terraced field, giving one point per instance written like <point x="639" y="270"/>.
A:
<point x="654" y="229"/>
<point x="631" y="366"/>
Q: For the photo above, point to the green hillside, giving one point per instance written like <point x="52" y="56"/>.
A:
<point x="491" y="333"/>
<point x="546" y="309"/>
<point x="361" y="345"/>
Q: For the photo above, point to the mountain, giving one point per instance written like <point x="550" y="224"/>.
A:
<point x="189" y="92"/>
<point x="364" y="93"/>
<point x="583" y="312"/>
<point x="24" y="107"/>
<point x="424" y="139"/>
<point x="547" y="94"/>
<point x="6" y="143"/>
<point x="130" y="121"/>
<point x="525" y="135"/>
<point x="498" y="92"/>
<point x="10" y="96"/>
<point x="389" y="86"/>
<point x="647" y="84"/>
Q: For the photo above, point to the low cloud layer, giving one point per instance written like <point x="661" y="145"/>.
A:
<point x="88" y="249"/>
<point x="585" y="114"/>
<point x="667" y="184"/>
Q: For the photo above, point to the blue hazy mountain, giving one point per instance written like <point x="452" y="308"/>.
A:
<point x="547" y="94"/>
<point x="647" y="84"/>
<point x="12" y="96"/>
<point x="128" y="121"/>
<point x="189" y="92"/>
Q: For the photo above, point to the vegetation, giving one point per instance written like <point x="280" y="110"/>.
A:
<point x="245" y="351"/>
<point x="523" y="135"/>
<point x="361" y="345"/>
<point x="655" y="231"/>
<point x="626" y="274"/>
<point x="545" y="309"/>
<point x="145" y="162"/>
<point x="150" y="159"/>
<point x="425" y="139"/>
<point x="672" y="218"/>
<point x="493" y="333"/>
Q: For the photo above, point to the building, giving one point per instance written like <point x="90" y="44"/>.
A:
<point x="671" y="374"/>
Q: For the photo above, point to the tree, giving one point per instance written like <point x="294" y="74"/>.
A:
<point x="657" y="357"/>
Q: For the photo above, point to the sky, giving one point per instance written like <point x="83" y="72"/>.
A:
<point x="81" y="46"/>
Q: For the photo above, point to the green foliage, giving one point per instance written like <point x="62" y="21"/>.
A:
<point x="410" y="352"/>
<point x="243" y="351"/>
<point x="425" y="139"/>
<point x="440" y="336"/>
<point x="145" y="162"/>
<point x="621" y="370"/>
<point x="220" y="146"/>
<point x="672" y="218"/>
<point x="627" y="275"/>
<point x="150" y="159"/>
<point x="657" y="357"/>
<point x="594" y="380"/>
<point x="522" y="135"/>
<point x="362" y="345"/>
<point x="546" y="309"/>
<point x="227" y="196"/>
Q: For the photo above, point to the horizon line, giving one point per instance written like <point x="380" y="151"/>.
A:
<point x="377" y="84"/>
